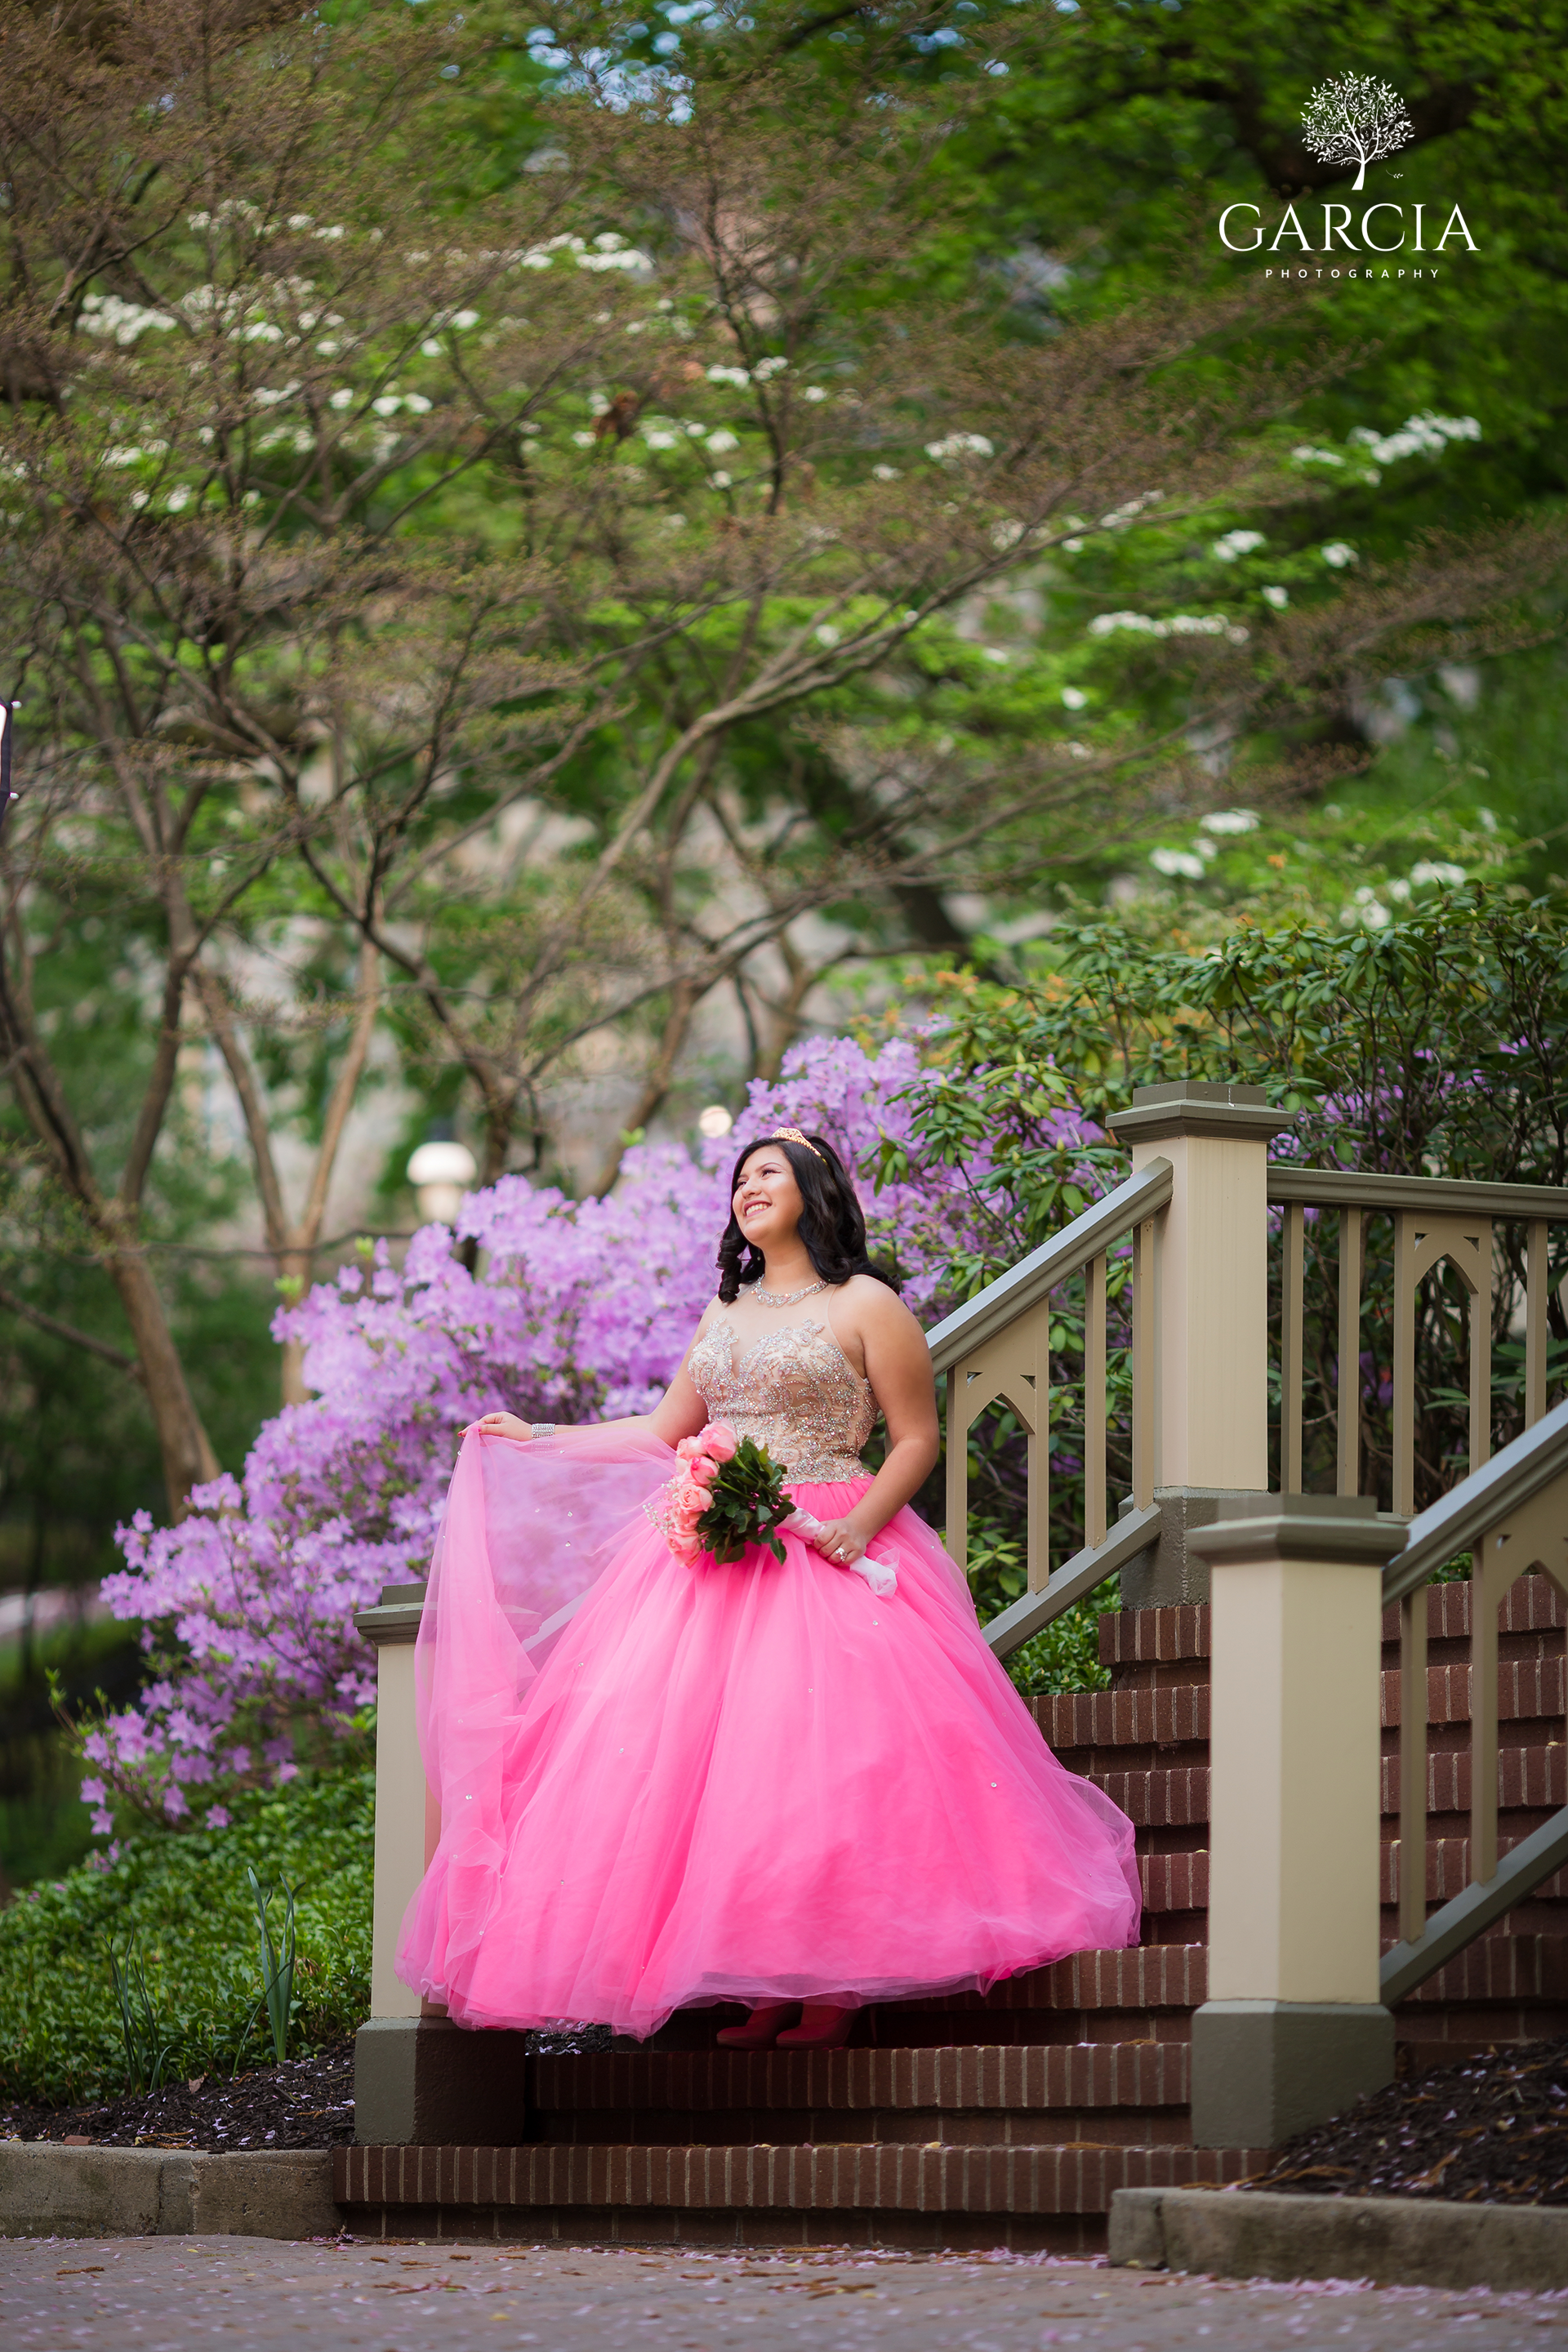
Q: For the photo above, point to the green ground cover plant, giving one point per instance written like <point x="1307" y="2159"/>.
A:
<point x="177" y="1916"/>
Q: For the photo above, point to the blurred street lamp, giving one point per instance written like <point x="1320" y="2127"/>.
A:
<point x="714" y="1122"/>
<point x="440" y="1174"/>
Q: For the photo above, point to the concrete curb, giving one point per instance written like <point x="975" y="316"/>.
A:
<point x="49" y="2192"/>
<point x="1392" y="2241"/>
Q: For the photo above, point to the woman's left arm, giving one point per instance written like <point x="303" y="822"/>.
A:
<point x="898" y="1365"/>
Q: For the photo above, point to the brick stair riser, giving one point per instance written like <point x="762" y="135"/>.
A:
<point x="1118" y="2127"/>
<point x="1136" y="1637"/>
<point x="1165" y="1798"/>
<point x="1129" y="2092"/>
<point x="961" y="2078"/>
<point x="1535" y="1777"/>
<point x="1532" y="1605"/>
<point x="1177" y="1797"/>
<point x="1153" y="1977"/>
<point x="1449" y="1864"/>
<point x="1529" y="1690"/>
<point x="850" y="2176"/>
<point x="1171" y="1635"/>
<point x="1500" y="1969"/>
<point x="1133" y="1719"/>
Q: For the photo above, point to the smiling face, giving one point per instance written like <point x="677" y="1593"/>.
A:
<point x="766" y="1201"/>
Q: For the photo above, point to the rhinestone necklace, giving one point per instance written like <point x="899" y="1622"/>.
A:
<point x="788" y="1297"/>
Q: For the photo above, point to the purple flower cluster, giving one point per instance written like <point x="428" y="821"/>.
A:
<point x="581" y="1312"/>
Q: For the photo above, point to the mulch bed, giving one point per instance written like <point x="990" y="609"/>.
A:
<point x="305" y="2103"/>
<point x="1490" y="2131"/>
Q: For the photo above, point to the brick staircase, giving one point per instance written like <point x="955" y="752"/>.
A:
<point x="1009" y="2119"/>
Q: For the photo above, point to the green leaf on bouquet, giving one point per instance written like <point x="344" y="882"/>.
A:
<point x="746" y="1503"/>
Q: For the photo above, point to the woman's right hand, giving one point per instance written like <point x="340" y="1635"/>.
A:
<point x="500" y="1424"/>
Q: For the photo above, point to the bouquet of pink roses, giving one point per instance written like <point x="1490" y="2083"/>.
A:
<point x="730" y="1494"/>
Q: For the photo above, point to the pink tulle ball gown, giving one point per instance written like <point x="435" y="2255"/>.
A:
<point x="749" y="1783"/>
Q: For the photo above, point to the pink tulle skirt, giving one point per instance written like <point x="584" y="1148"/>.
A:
<point x="746" y="1783"/>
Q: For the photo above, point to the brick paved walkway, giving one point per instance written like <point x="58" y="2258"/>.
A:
<point x="165" y="2295"/>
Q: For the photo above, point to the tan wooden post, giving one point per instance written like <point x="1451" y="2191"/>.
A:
<point x="405" y="1814"/>
<point x="417" y="2077"/>
<point x="1211" y="1309"/>
<point x="1293" y="2029"/>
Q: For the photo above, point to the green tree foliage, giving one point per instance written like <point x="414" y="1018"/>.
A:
<point x="1098" y="173"/>
<point x="1431" y="1047"/>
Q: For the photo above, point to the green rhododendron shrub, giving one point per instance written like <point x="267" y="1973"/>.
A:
<point x="189" y="1904"/>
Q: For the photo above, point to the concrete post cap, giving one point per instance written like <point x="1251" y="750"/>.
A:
<point x="1198" y="1106"/>
<point x="1339" y="1530"/>
<point x="395" y="1617"/>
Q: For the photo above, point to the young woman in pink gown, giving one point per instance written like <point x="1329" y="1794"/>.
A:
<point x="767" y="1783"/>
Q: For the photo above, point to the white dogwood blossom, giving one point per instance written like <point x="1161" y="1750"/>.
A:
<point x="1178" y="864"/>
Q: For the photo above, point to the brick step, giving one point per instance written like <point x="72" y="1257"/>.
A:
<point x="961" y="2078"/>
<point x="1171" y="1635"/>
<point x="1165" y="1797"/>
<point x="1529" y="1690"/>
<point x="1170" y="1980"/>
<point x="1115" y="2126"/>
<point x="1170" y="1715"/>
<point x="1180" y="1880"/>
<point x="1175" y="1882"/>
<point x="1448" y="1867"/>
<point x="1498" y="1968"/>
<point x="1147" y="1977"/>
<point x="1532" y="1604"/>
<point x="851" y="2176"/>
<point x="1080" y="1725"/>
<point x="1146" y="1994"/>
<point x="1533" y="1775"/>
<point x="1168" y="1637"/>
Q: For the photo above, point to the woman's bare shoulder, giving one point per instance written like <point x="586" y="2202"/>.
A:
<point x="876" y="1307"/>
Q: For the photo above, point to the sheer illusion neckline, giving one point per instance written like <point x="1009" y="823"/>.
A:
<point x="739" y="1358"/>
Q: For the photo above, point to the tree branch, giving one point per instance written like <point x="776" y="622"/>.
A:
<point x="59" y="1331"/>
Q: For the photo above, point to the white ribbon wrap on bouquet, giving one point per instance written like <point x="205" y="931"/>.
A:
<point x="880" y="1574"/>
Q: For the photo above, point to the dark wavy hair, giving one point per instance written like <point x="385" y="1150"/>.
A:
<point x="831" y="1224"/>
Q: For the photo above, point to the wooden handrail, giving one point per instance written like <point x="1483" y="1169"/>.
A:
<point x="1508" y="1515"/>
<point x="1458" y="1521"/>
<point x="1108" y="1221"/>
<point x="1076" y="1579"/>
<point x="1335" y="1188"/>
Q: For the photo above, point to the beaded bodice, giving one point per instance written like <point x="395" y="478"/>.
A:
<point x="793" y="1390"/>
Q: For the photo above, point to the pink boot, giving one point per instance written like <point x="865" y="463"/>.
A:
<point x="823" y="2026"/>
<point x="761" y="2029"/>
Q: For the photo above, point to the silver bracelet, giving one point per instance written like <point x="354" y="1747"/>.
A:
<point x="542" y="1429"/>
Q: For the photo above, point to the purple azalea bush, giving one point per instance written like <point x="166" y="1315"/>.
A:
<point x="581" y="1312"/>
